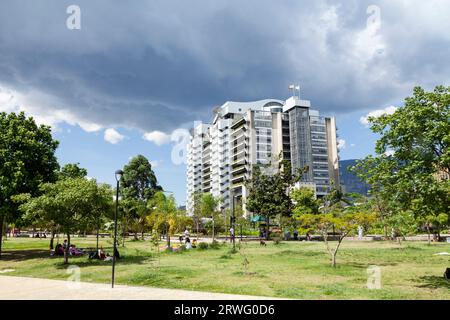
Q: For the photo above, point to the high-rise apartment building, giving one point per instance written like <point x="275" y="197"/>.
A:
<point x="243" y="134"/>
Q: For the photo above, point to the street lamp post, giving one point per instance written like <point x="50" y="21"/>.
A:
<point x="118" y="175"/>
<point x="233" y="226"/>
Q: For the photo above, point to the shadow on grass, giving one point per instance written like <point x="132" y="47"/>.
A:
<point x="23" y="255"/>
<point x="366" y="265"/>
<point x="434" y="282"/>
<point x="83" y="261"/>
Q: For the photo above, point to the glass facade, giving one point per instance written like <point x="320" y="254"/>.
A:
<point x="300" y="141"/>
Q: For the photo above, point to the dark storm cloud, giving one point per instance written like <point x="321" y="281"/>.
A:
<point x="154" y="65"/>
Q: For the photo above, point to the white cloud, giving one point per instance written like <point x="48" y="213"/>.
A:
<point x="155" y="163"/>
<point x="157" y="137"/>
<point x="37" y="105"/>
<point x="352" y="145"/>
<point x="377" y="113"/>
<point x="341" y="144"/>
<point x="112" y="136"/>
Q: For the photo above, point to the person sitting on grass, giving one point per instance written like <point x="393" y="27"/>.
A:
<point x="59" y="251"/>
<point x="74" y="251"/>
<point x="101" y="254"/>
<point x="188" y="243"/>
<point x="194" y="243"/>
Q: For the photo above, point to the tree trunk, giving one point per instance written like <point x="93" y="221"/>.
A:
<point x="333" y="259"/>
<point x="168" y="238"/>
<point x="66" y="251"/>
<point x="213" y="230"/>
<point x="52" y="238"/>
<point x="98" y="231"/>
<point x="267" y="228"/>
<point x="429" y="234"/>
<point x="2" y="222"/>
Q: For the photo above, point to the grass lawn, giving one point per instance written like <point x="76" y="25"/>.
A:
<point x="292" y="270"/>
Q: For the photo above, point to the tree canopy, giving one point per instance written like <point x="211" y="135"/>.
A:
<point x="72" y="170"/>
<point x="269" y="187"/>
<point x="139" y="181"/>
<point x="27" y="159"/>
<point x="410" y="170"/>
<point x="70" y="205"/>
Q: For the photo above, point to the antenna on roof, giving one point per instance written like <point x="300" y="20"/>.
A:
<point x="295" y="88"/>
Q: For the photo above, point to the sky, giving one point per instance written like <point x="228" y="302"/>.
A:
<point x="118" y="80"/>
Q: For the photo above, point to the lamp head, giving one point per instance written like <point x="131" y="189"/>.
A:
<point x="119" y="174"/>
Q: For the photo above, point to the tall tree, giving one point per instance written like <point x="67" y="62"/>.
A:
<point x="305" y="201"/>
<point x="27" y="159"/>
<point x="163" y="214"/>
<point x="269" y="188"/>
<point x="411" y="169"/>
<point x="208" y="208"/>
<point x="139" y="185"/>
<point x="139" y="181"/>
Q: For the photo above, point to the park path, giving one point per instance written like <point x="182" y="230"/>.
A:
<point x="22" y="288"/>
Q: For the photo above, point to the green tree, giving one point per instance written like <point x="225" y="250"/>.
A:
<point x="342" y="221"/>
<point x="197" y="213"/>
<point x="402" y="224"/>
<point x="208" y="209"/>
<point x="139" y="181"/>
<point x="163" y="214"/>
<point x="304" y="201"/>
<point x="139" y="185"/>
<point x="129" y="216"/>
<point x="72" y="170"/>
<point x="71" y="205"/>
<point x="27" y="159"/>
<point x="411" y="176"/>
<point x="268" y="190"/>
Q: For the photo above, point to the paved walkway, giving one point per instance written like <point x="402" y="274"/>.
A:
<point x="21" y="288"/>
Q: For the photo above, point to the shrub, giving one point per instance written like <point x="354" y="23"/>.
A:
<point x="202" y="246"/>
<point x="214" y="245"/>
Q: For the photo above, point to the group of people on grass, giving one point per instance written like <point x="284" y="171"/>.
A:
<point x="76" y="252"/>
<point x="100" y="254"/>
<point x="187" y="240"/>
<point x="73" y="250"/>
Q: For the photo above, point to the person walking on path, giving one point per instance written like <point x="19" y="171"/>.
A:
<point x="231" y="234"/>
